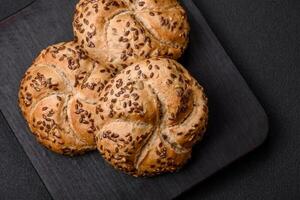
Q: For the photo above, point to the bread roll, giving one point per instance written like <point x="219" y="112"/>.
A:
<point x="118" y="89"/>
<point x="152" y="114"/>
<point x="124" y="31"/>
<point x="58" y="95"/>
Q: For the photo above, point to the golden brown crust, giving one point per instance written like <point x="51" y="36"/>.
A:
<point x="152" y="113"/>
<point x="58" y="95"/>
<point x="124" y="31"/>
<point x="143" y="120"/>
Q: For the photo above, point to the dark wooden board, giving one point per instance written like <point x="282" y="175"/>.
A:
<point x="16" y="171"/>
<point x="237" y="122"/>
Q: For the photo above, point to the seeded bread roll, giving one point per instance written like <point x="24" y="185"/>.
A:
<point x="152" y="114"/>
<point x="124" y="31"/>
<point x="58" y="95"/>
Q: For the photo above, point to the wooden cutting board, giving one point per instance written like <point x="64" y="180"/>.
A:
<point x="237" y="122"/>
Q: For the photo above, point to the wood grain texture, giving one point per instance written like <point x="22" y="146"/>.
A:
<point x="237" y="122"/>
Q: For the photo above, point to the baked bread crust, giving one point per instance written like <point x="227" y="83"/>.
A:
<point x="124" y="31"/>
<point x="117" y="88"/>
<point x="57" y="97"/>
<point x="152" y="113"/>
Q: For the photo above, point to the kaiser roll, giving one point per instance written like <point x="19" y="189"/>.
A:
<point x="152" y="113"/>
<point x="124" y="31"/>
<point x="117" y="88"/>
<point x="57" y="97"/>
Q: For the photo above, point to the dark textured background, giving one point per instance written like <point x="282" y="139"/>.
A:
<point x="262" y="37"/>
<point x="11" y="7"/>
<point x="239" y="122"/>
